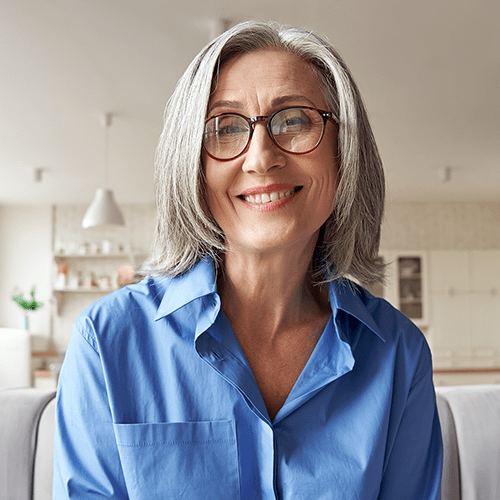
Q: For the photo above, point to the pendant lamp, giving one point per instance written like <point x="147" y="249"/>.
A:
<point x="103" y="210"/>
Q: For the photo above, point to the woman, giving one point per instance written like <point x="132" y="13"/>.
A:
<point x="246" y="365"/>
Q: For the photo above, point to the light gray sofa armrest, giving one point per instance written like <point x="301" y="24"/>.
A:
<point x="20" y="413"/>
<point x="470" y="420"/>
<point x="44" y="454"/>
<point x="450" y="485"/>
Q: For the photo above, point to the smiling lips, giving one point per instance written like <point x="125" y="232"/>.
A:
<point x="268" y="197"/>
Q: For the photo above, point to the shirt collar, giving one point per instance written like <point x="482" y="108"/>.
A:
<point x="348" y="297"/>
<point x="197" y="282"/>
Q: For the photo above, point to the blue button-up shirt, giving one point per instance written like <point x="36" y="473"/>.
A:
<point x="157" y="401"/>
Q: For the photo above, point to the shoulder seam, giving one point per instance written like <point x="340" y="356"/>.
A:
<point x="88" y="338"/>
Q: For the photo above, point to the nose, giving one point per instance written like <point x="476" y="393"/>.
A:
<point x="262" y="154"/>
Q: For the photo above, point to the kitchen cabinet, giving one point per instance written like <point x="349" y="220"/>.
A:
<point x="485" y="304"/>
<point x="406" y="287"/>
<point x="465" y="300"/>
<point x="454" y="298"/>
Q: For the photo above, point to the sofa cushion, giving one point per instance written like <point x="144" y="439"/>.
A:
<point x="473" y="413"/>
<point x="20" y="412"/>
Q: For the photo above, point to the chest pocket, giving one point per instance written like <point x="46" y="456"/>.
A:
<point x="180" y="460"/>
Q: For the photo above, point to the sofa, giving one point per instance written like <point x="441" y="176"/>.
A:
<point x="26" y="443"/>
<point x="470" y="425"/>
<point x="469" y="415"/>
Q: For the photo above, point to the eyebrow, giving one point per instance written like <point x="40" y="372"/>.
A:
<point x="291" y="98"/>
<point x="275" y="102"/>
<point x="225" y="104"/>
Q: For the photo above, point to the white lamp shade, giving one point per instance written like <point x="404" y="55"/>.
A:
<point x="103" y="210"/>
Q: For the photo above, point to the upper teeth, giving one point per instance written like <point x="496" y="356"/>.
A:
<point x="267" y="197"/>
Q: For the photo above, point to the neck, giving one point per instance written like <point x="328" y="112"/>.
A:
<point x="270" y="292"/>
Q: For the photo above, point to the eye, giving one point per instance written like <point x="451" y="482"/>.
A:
<point x="229" y="130"/>
<point x="290" y="121"/>
<point x="226" y="128"/>
<point x="297" y="121"/>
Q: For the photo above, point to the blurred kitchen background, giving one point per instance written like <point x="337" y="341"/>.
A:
<point x="429" y="72"/>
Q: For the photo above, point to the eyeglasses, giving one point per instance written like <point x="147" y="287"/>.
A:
<point x="296" y="130"/>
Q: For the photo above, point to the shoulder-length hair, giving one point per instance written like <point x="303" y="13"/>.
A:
<point x="186" y="232"/>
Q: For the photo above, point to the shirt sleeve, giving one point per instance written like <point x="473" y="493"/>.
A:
<point x="86" y="461"/>
<point x="414" y="465"/>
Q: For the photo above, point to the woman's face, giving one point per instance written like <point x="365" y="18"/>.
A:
<point x="301" y="188"/>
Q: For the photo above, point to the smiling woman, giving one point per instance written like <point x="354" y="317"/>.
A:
<point x="187" y="232"/>
<point x="246" y="364"/>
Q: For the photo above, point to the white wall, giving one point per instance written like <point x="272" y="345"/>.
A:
<point x="25" y="261"/>
<point x="441" y="226"/>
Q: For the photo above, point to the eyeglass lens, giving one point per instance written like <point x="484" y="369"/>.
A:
<point x="295" y="130"/>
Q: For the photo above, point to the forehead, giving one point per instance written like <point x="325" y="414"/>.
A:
<point x="266" y="75"/>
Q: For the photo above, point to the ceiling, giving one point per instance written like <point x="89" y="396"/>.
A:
<point x="429" y="72"/>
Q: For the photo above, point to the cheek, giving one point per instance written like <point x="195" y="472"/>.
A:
<point x="332" y="176"/>
<point x="216" y="190"/>
<point x="325" y="175"/>
<point x="212" y="180"/>
<point x="334" y="183"/>
<point x="329" y="183"/>
<point x="209" y="199"/>
<point x="217" y="181"/>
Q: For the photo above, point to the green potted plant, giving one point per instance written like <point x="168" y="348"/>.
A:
<point x="27" y="305"/>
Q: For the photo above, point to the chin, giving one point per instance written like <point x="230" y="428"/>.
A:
<point x="269" y="243"/>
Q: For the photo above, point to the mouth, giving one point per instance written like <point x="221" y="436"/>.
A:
<point x="263" y="198"/>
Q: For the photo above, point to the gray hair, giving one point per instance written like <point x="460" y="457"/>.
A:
<point x="186" y="232"/>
